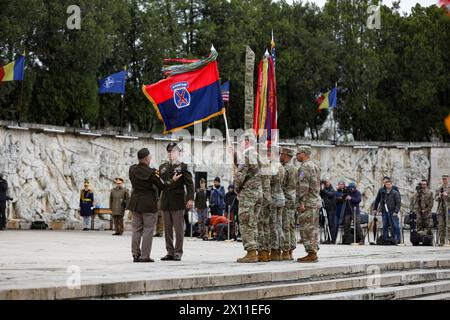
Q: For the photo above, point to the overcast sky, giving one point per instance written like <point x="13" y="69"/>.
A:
<point x="405" y="5"/>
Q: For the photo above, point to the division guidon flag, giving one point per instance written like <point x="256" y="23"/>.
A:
<point x="13" y="71"/>
<point x="184" y="99"/>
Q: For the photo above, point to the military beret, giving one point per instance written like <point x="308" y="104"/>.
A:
<point x="172" y="146"/>
<point x="304" y="149"/>
<point x="288" y="151"/>
<point x="143" y="153"/>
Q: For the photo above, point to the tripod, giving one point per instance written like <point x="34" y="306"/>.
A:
<point x="326" y="225"/>
<point x="356" y="223"/>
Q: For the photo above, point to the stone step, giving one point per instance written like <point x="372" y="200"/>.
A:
<point x="403" y="292"/>
<point x="441" y="296"/>
<point x="289" y="289"/>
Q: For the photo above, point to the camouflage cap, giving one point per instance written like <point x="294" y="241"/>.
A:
<point x="445" y="176"/>
<point x="288" y="151"/>
<point x="304" y="149"/>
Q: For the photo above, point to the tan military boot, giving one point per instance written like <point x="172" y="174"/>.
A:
<point x="311" y="257"/>
<point x="285" y="255"/>
<point x="275" y="255"/>
<point x="263" y="256"/>
<point x="250" y="257"/>
<point x="291" y="257"/>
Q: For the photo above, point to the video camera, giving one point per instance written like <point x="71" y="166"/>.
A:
<point x="346" y="192"/>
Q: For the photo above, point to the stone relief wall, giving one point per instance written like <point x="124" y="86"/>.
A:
<point x="45" y="171"/>
<point x="367" y="167"/>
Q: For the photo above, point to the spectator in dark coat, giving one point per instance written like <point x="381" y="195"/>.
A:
<point x="216" y="195"/>
<point x="390" y="203"/>
<point x="232" y="203"/>
<point x="339" y="202"/>
<point x="328" y="196"/>
<point x="351" y="212"/>
<point x="3" y="198"/>
<point x="383" y="190"/>
<point x="201" y="196"/>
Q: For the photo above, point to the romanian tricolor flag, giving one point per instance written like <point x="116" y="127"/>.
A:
<point x="13" y="71"/>
<point x="265" y="113"/>
<point x="327" y="100"/>
<point x="188" y="98"/>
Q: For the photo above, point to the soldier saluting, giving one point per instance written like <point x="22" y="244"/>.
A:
<point x="174" y="200"/>
<point x="143" y="204"/>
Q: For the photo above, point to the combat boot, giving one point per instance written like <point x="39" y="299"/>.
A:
<point x="291" y="257"/>
<point x="311" y="257"/>
<point x="250" y="257"/>
<point x="275" y="255"/>
<point x="263" y="256"/>
<point x="285" y="256"/>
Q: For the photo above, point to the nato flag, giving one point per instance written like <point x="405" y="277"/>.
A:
<point x="114" y="83"/>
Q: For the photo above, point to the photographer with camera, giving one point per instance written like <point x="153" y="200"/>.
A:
<point x="352" y="198"/>
<point x="389" y="205"/>
<point x="4" y="196"/>
<point x="216" y="194"/>
<point x="339" y="203"/>
<point x="422" y="203"/>
<point x="443" y="199"/>
<point x="328" y="196"/>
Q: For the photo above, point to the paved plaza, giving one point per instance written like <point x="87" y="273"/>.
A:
<point x="45" y="259"/>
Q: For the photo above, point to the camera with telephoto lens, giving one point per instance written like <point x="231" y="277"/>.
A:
<point x="346" y="192"/>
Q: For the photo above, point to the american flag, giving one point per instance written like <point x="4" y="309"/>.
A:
<point x="225" y="89"/>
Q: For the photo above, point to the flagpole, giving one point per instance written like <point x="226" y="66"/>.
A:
<point x="334" y="115"/>
<point x="226" y="128"/>
<point x="121" y="113"/>
<point x="19" y="111"/>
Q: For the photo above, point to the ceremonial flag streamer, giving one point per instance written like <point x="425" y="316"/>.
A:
<point x="13" y="71"/>
<point x="327" y="100"/>
<point x="186" y="98"/>
<point x="225" y="89"/>
<point x="114" y="83"/>
<point x="265" y="113"/>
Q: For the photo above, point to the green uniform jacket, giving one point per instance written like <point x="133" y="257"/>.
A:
<point x="174" y="197"/>
<point x="118" y="200"/>
<point x="143" y="196"/>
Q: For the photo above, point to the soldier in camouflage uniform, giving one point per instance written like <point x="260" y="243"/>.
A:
<point x="308" y="203"/>
<point x="264" y="214"/>
<point x="442" y="196"/>
<point x="422" y="203"/>
<point x="249" y="190"/>
<point x="276" y="211"/>
<point x="289" y="188"/>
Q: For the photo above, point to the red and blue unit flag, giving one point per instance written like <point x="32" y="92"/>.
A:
<point x="188" y="98"/>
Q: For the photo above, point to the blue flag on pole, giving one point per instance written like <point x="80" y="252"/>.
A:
<point x="114" y="83"/>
